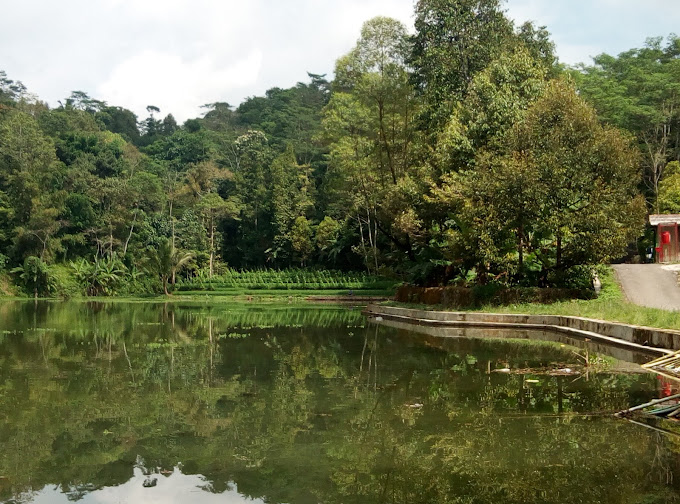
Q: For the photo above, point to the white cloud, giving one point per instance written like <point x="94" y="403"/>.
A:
<point x="176" y="488"/>
<point x="177" y="85"/>
<point x="179" y="54"/>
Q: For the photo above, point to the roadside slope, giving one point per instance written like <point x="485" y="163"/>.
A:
<point x="649" y="285"/>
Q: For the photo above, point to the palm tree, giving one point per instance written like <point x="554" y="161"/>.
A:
<point x="167" y="261"/>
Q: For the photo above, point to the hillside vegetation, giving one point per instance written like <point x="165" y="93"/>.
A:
<point x="485" y="161"/>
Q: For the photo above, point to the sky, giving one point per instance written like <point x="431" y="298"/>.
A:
<point x="180" y="54"/>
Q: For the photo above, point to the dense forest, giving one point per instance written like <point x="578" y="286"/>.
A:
<point x="462" y="153"/>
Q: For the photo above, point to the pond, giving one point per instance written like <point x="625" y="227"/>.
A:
<point x="141" y="402"/>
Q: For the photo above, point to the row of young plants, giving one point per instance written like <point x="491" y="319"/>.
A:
<point x="286" y="279"/>
<point x="112" y="276"/>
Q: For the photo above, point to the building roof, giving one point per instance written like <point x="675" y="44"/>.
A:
<point x="657" y="219"/>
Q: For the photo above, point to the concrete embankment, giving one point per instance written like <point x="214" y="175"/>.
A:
<point x="645" y="339"/>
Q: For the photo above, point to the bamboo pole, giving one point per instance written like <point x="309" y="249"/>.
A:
<point x="646" y="405"/>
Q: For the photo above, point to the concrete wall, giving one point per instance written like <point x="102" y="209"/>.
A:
<point x="635" y="335"/>
<point x="628" y="359"/>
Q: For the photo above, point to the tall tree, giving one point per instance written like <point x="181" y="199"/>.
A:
<point x="639" y="90"/>
<point x="292" y="197"/>
<point x="497" y="99"/>
<point x="370" y="129"/>
<point x="565" y="190"/>
<point x="29" y="170"/>
<point x="454" y="40"/>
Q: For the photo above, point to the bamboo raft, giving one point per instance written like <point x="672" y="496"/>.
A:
<point x="667" y="365"/>
<point x="666" y="407"/>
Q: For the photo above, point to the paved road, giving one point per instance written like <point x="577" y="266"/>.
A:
<point x="649" y="285"/>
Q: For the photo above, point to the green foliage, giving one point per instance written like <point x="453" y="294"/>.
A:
<point x="445" y="156"/>
<point x="327" y="234"/>
<point x="563" y="194"/>
<point x="36" y="277"/>
<point x="301" y="239"/>
<point x="669" y="189"/>
<point x="101" y="277"/>
<point x="454" y="40"/>
<point x="166" y="261"/>
<point x="639" y="90"/>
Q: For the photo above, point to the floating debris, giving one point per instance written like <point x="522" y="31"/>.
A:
<point x="539" y="371"/>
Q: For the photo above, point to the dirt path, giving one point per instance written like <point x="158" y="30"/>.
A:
<point x="649" y="285"/>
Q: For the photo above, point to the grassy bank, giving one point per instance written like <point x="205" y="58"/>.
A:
<point x="610" y="305"/>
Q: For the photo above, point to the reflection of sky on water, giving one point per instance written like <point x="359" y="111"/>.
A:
<point x="169" y="489"/>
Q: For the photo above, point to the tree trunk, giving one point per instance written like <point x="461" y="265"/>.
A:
<point x="363" y="245"/>
<point x="375" y="241"/>
<point x="388" y="150"/>
<point x="132" y="227"/>
<point x="172" y="225"/>
<point x="520" y="247"/>
<point x="212" y="243"/>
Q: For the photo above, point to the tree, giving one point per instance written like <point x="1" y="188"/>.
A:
<point x="537" y="41"/>
<point x="219" y="116"/>
<point x="120" y="120"/>
<point x="166" y="261"/>
<point x="454" y="40"/>
<point x="10" y="91"/>
<point x="29" y="174"/>
<point x="369" y="126"/>
<point x="564" y="190"/>
<point x="43" y="224"/>
<point x="252" y="187"/>
<point x="498" y="98"/>
<point x="212" y="207"/>
<point x="291" y="196"/>
<point x="200" y="188"/>
<point x="36" y="276"/>
<point x="301" y="239"/>
<point x="326" y="237"/>
<point x="669" y="189"/>
<point x="639" y="90"/>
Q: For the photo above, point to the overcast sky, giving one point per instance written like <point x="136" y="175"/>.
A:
<point x="180" y="54"/>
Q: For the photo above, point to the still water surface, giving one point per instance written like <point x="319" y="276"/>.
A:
<point x="128" y="403"/>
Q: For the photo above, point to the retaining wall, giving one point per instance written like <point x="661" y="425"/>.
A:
<point x="634" y="335"/>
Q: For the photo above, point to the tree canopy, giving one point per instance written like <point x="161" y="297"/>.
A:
<point x="461" y="153"/>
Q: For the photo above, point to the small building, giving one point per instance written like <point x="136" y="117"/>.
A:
<point x="667" y="241"/>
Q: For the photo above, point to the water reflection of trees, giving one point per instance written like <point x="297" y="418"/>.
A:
<point x="325" y="413"/>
